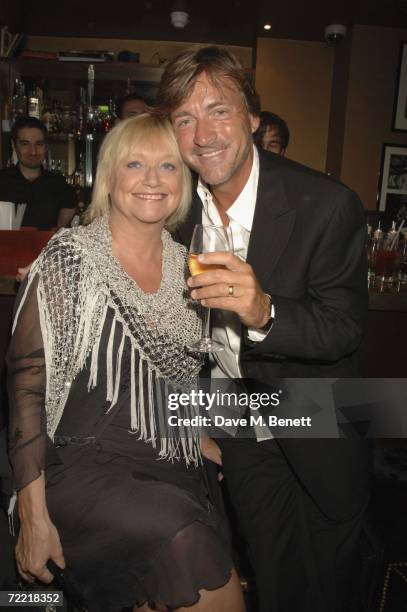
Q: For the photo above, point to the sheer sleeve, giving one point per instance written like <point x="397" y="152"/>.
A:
<point x="26" y="386"/>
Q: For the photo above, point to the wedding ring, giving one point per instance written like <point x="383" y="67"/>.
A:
<point x="231" y="290"/>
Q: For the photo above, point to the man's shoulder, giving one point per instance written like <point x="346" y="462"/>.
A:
<point x="9" y="173"/>
<point x="270" y="162"/>
<point x="298" y="178"/>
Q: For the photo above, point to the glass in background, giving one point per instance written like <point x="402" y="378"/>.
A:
<point x="387" y="259"/>
<point x="403" y="263"/>
<point x="373" y="241"/>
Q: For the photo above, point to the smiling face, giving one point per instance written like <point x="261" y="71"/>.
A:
<point x="30" y="148"/>
<point x="214" y="133"/>
<point x="146" y="187"/>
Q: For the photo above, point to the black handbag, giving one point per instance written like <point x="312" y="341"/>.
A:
<point x="64" y="582"/>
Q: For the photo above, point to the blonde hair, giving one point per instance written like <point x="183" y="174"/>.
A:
<point x="117" y="146"/>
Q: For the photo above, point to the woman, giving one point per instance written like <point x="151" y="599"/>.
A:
<point x="99" y="340"/>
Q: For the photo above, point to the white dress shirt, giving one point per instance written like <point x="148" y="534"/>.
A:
<point x="226" y="326"/>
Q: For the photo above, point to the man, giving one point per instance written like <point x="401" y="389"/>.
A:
<point x="295" y="308"/>
<point x="49" y="199"/>
<point x="272" y="134"/>
<point x="130" y="106"/>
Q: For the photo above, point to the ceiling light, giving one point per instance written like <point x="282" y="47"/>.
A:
<point x="179" y="14"/>
<point x="179" y="19"/>
<point x="267" y="26"/>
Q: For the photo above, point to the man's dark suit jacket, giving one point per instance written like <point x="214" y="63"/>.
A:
<point x="307" y="249"/>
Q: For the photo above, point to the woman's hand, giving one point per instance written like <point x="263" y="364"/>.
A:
<point x="37" y="542"/>
<point x="38" y="539"/>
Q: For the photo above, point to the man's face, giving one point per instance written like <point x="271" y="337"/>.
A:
<point x="271" y="140"/>
<point x="30" y="148"/>
<point x="131" y="108"/>
<point x="214" y="133"/>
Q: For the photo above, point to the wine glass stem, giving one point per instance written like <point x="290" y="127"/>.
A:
<point x="206" y="323"/>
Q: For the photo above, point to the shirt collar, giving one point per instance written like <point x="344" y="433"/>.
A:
<point x="242" y="209"/>
<point x="19" y="173"/>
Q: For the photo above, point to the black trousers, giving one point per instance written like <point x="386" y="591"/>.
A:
<point x="302" y="561"/>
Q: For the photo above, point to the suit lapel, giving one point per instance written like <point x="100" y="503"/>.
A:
<point x="272" y="223"/>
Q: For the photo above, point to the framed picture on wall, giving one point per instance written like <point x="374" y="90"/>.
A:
<point x="392" y="195"/>
<point x="400" y="98"/>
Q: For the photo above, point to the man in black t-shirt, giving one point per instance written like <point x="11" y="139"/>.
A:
<point x="50" y="200"/>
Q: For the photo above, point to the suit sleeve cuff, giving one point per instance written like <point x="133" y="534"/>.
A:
<point x="257" y="335"/>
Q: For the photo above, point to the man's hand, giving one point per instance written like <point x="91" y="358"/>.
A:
<point x="234" y="288"/>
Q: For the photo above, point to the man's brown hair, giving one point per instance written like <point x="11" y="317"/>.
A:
<point x="218" y="63"/>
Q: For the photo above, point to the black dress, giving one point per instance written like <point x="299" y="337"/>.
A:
<point x="133" y="528"/>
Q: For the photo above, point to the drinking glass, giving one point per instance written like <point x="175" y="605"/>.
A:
<point x="386" y="259"/>
<point x="403" y="262"/>
<point x="207" y="239"/>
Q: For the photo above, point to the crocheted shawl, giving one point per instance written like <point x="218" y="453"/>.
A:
<point x="79" y="279"/>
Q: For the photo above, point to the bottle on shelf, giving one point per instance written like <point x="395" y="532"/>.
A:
<point x="109" y="118"/>
<point x="90" y="128"/>
<point x="18" y="101"/>
<point x="33" y="108"/>
<point x="80" y="209"/>
<point x="79" y="175"/>
<point x="47" y="118"/>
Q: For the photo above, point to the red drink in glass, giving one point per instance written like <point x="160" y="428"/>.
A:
<point x="385" y="264"/>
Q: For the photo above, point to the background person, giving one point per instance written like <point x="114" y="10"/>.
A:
<point x="89" y="374"/>
<point x="292" y="304"/>
<point x="130" y="105"/>
<point x="50" y="200"/>
<point x="272" y="134"/>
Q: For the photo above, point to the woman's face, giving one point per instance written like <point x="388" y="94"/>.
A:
<point x="147" y="186"/>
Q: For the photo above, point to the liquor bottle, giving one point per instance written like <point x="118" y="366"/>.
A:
<point x="79" y="179"/>
<point x="18" y="101"/>
<point x="47" y="118"/>
<point x="34" y="103"/>
<point x="80" y="209"/>
<point x="90" y="128"/>
<point x="80" y="124"/>
<point x="109" y="118"/>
